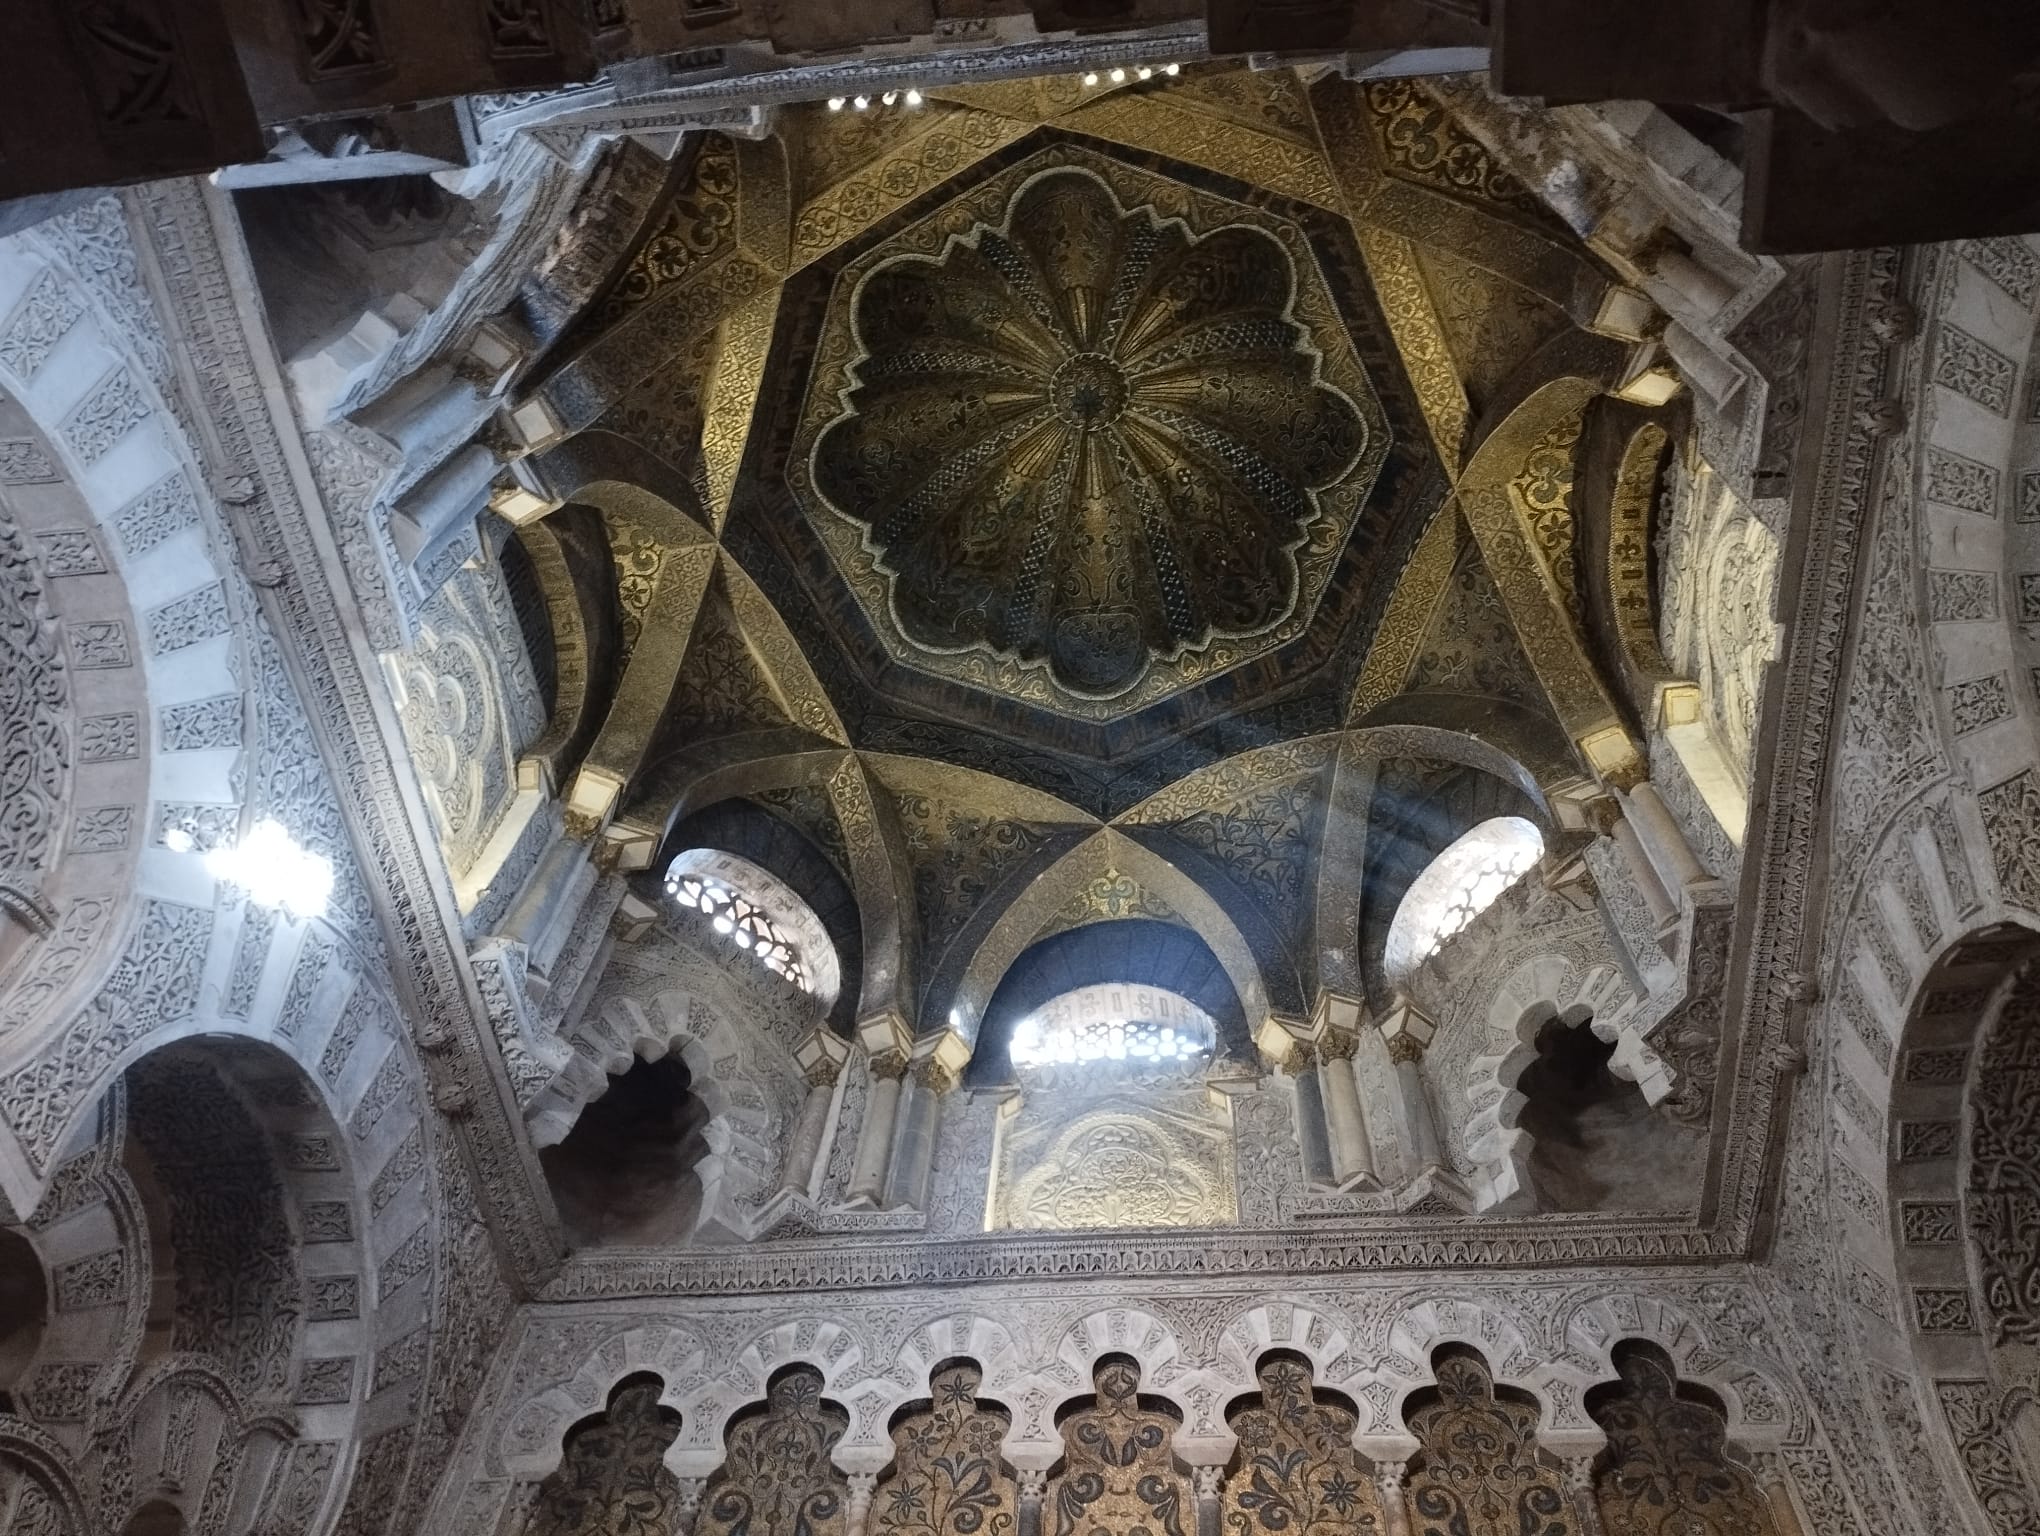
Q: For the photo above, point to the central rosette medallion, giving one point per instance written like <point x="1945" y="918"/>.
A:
<point x="1087" y="435"/>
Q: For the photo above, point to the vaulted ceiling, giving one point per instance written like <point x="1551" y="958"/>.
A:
<point x="1036" y="461"/>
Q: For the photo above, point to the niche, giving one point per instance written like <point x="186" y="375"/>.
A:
<point x="24" y="1309"/>
<point x="625" y="1173"/>
<point x="613" y="1476"/>
<point x="1667" y="1466"/>
<point x="1596" y="1145"/>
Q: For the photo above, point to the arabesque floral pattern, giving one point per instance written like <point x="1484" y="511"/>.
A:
<point x="1087" y="437"/>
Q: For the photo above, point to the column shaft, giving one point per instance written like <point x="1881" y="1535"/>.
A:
<point x="1665" y="838"/>
<point x="1204" y="1483"/>
<point x="1395" y="1509"/>
<point x="1344" y="1119"/>
<point x="805" y="1150"/>
<point x="1424" y="1151"/>
<point x="1643" y="872"/>
<point x="875" y="1136"/>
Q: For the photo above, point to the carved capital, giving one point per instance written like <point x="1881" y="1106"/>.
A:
<point x="1404" y="1048"/>
<point x="1299" y="1061"/>
<point x="823" y="1073"/>
<point x="1337" y="1045"/>
<point x="1205" y="1481"/>
<point x="931" y="1074"/>
<point x="1388" y="1477"/>
<point x="1033" y="1484"/>
<point x="890" y="1066"/>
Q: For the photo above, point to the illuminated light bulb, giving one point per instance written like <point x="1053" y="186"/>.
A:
<point x="913" y="98"/>
<point x="1091" y="78"/>
<point x="890" y="97"/>
<point x="178" y="840"/>
<point x="1144" y="72"/>
<point x="1118" y="76"/>
<point x="835" y="103"/>
<point x="1173" y="69"/>
<point x="743" y="939"/>
<point x="724" y="925"/>
<point x="860" y="102"/>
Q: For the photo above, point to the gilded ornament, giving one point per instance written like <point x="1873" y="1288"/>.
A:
<point x="1086" y="435"/>
<point x="1118" y="1473"/>
<point x="1297" y="1473"/>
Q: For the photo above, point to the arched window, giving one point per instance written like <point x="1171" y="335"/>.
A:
<point x="1113" y="1022"/>
<point x="753" y="910"/>
<point x="1457" y="886"/>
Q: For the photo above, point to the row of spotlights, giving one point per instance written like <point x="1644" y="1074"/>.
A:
<point x="863" y="103"/>
<point x="913" y="98"/>
<point x="1139" y="72"/>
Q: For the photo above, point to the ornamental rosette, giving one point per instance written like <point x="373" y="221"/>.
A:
<point x="1087" y="438"/>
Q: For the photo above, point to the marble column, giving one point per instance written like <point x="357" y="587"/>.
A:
<point x="1643" y="872"/>
<point x="920" y="1123"/>
<point x="1665" y="838"/>
<point x="1345" y="1123"/>
<point x="1301" y="1067"/>
<point x="805" y="1149"/>
<point x="875" y="1136"/>
<point x="1204" y="1485"/>
<point x="1406" y="1054"/>
<point x="1033" y="1491"/>
<point x="858" y="1511"/>
<point x="689" y="1507"/>
<point x="1579" y="1486"/>
<point x="1395" y="1507"/>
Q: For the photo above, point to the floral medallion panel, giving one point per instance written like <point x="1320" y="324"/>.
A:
<point x="1666" y="1471"/>
<point x="1119" y="1476"/>
<point x="777" y="1478"/>
<point x="947" y="1478"/>
<point x="1297" y="1472"/>
<point x="1478" y="1473"/>
<point x="613" y="1480"/>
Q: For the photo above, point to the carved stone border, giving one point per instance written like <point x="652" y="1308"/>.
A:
<point x="211" y="296"/>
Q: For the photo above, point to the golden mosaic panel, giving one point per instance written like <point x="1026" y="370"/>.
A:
<point x="1177" y="124"/>
<point x="613" y="1480"/>
<point x="776" y="1474"/>
<point x="743" y="341"/>
<point x="1666" y="1471"/>
<point x="1119" y="1475"/>
<point x="1296" y="1471"/>
<point x="1479" y="1473"/>
<point x="1629" y="514"/>
<point x="1408" y="618"/>
<point x="947" y="1476"/>
<point x="1544" y="491"/>
<point x="949" y="142"/>
<point x="1127" y="1165"/>
<point x="1127" y="627"/>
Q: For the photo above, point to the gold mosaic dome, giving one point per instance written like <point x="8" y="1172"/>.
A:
<point x="1086" y="437"/>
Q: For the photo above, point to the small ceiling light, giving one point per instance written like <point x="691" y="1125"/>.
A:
<point x="1118" y="76"/>
<point x="1173" y="69"/>
<point x="913" y="98"/>
<point x="1144" y="72"/>
<point x="890" y="97"/>
<point x="860" y="102"/>
<point x="835" y="103"/>
<point x="179" y="839"/>
<point x="1091" y="78"/>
